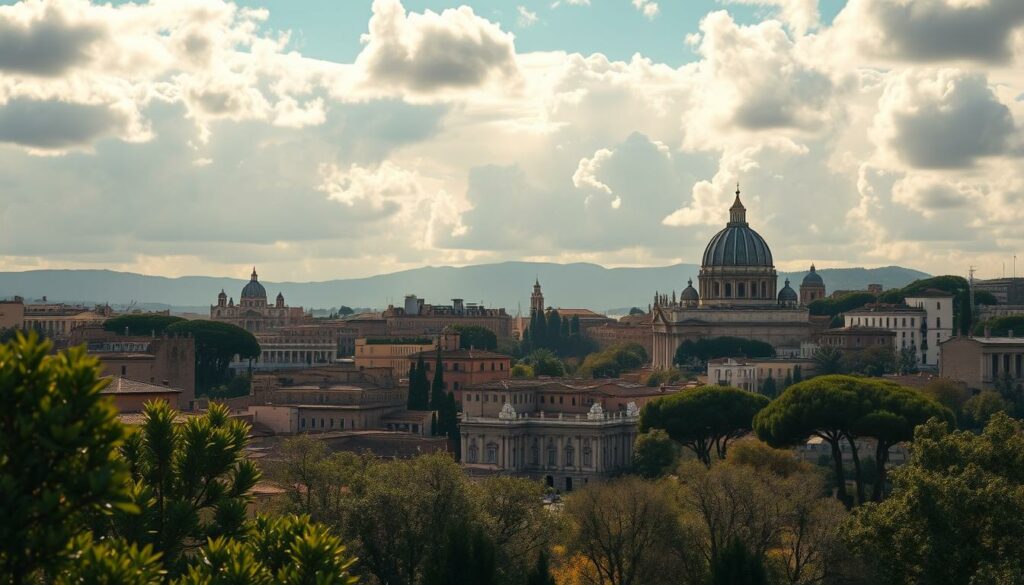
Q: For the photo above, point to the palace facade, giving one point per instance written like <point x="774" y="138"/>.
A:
<point x="737" y="295"/>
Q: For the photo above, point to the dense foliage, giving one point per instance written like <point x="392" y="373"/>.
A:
<point x="1001" y="326"/>
<point x="704" y="418"/>
<point x="58" y="453"/>
<point x="611" y="362"/>
<point x="696" y="353"/>
<point x="476" y="336"/>
<point x="217" y="344"/>
<point x="840" y="409"/>
<point x="85" y="501"/>
<point x="420" y="520"/>
<point x="542" y="362"/>
<point x="956" y="514"/>
<point x="563" y="337"/>
<point x="141" y="324"/>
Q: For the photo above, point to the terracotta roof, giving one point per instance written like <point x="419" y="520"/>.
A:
<point x="122" y="385"/>
<point x="461" y="354"/>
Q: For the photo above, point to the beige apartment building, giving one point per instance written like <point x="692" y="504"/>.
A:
<point x="391" y="352"/>
<point x="981" y="362"/>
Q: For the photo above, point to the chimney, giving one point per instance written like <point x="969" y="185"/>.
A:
<point x="988" y="332"/>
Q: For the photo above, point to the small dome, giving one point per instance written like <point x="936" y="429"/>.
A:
<point x="280" y="296"/>
<point x="222" y="295"/>
<point x="813" y="278"/>
<point x="254" y="290"/>
<point x="689" y="293"/>
<point x="787" y="294"/>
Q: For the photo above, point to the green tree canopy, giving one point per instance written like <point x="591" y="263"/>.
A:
<point x="190" y="481"/>
<point x="544" y="363"/>
<point x="217" y="344"/>
<point x="978" y="409"/>
<point x="828" y="359"/>
<point x="847" y="302"/>
<point x="141" y="324"/>
<point x="838" y="409"/>
<point x="476" y="336"/>
<point x="58" y="453"/>
<point x="956" y="513"/>
<point x="654" y="454"/>
<point x="1001" y="326"/>
<point x="872" y="361"/>
<point x="703" y="418"/>
<point x="702" y="350"/>
<point x="613" y="361"/>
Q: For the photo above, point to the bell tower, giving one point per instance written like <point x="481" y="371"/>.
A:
<point x="537" y="299"/>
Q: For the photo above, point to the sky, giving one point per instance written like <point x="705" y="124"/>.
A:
<point x="333" y="139"/>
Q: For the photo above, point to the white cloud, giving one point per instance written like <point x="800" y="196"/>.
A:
<point x="215" y="142"/>
<point x="648" y="8"/>
<point x="526" y="17"/>
<point x="932" y="30"/>
<point x="942" y="119"/>
<point x="800" y="15"/>
<point x="432" y="52"/>
<point x="754" y="79"/>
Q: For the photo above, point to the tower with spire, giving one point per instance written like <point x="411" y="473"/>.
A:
<point x="536" y="299"/>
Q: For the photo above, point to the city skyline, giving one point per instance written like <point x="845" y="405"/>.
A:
<point x="203" y="137"/>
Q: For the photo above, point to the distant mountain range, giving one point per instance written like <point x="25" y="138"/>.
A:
<point x="506" y="284"/>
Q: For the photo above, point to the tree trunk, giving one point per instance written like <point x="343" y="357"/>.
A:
<point x="858" y="476"/>
<point x="837" y="459"/>
<point x="881" y="459"/>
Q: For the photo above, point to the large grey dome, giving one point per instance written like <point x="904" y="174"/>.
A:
<point x="254" y="290"/>
<point x="737" y="245"/>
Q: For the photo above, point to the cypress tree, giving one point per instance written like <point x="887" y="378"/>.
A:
<point x="410" y="399"/>
<point x="769" y="388"/>
<point x="574" y="324"/>
<point x="798" y="374"/>
<point x="538" y="332"/>
<point x="554" y="331"/>
<point x="966" y="313"/>
<point x="788" y="382"/>
<point x="437" y="398"/>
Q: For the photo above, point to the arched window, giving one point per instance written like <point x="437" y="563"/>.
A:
<point x="741" y="290"/>
<point x="570" y="456"/>
<point x="535" y="453"/>
<point x="764" y="289"/>
<point x="473" y="451"/>
<point x="552" y="454"/>
<point x="587" y="453"/>
<point x="715" y="287"/>
<point x="728" y="290"/>
<point x="492" y="453"/>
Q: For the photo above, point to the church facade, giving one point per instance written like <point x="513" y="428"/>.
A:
<point x="737" y="295"/>
<point x="252" y="312"/>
